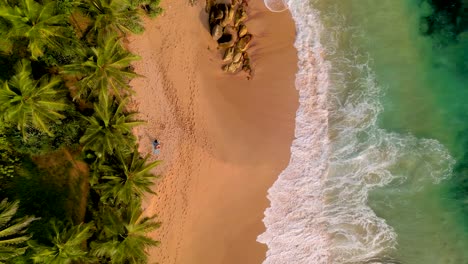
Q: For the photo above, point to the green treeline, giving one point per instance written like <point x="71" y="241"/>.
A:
<point x="71" y="177"/>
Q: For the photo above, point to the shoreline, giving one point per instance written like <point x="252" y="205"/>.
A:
<point x="224" y="139"/>
<point x="299" y="191"/>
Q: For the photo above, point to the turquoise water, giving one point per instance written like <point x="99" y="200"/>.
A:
<point x="421" y="73"/>
<point x="379" y="166"/>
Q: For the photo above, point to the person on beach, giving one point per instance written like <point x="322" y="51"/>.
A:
<point x="156" y="147"/>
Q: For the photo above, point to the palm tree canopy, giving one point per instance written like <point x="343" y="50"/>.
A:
<point x="127" y="177"/>
<point x="124" y="237"/>
<point x="107" y="67"/>
<point x="67" y="245"/>
<point x="112" y="16"/>
<point x="109" y="128"/>
<point x="12" y="231"/>
<point x="39" y="23"/>
<point x="27" y="102"/>
<point x="150" y="7"/>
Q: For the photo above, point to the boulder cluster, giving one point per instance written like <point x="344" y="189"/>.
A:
<point x="228" y="29"/>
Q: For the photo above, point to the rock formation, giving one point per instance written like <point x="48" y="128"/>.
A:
<point x="242" y="30"/>
<point x="226" y="22"/>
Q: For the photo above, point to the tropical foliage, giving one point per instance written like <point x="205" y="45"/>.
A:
<point x="38" y="23"/>
<point x="110" y="127"/>
<point x="107" y="67"/>
<point x="9" y="158"/>
<point x="150" y="7"/>
<point x="126" y="177"/>
<point x="27" y="102"/>
<point x="13" y="231"/>
<point x="66" y="134"/>
<point x="123" y="237"/>
<point x="50" y="145"/>
<point x="110" y="16"/>
<point x="66" y="245"/>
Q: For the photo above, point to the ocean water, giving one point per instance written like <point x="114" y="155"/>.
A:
<point x="379" y="167"/>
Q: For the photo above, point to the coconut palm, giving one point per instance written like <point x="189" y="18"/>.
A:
<point x="150" y="7"/>
<point x="13" y="236"/>
<point x="27" y="102"/>
<point x="66" y="245"/>
<point x="109" y="128"/>
<point x="127" y="177"/>
<point x="123" y="238"/>
<point x="110" y="16"/>
<point x="107" y="67"/>
<point x="38" y="23"/>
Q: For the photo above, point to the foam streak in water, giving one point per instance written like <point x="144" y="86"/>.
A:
<point x="294" y="232"/>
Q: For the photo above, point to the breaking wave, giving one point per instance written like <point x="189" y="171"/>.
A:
<point x="319" y="209"/>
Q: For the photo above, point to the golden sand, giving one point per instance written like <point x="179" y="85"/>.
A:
<point x="224" y="139"/>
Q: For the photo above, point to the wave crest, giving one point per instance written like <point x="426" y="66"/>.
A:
<point x="319" y="210"/>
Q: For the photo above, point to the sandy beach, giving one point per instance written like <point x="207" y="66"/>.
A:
<point x="224" y="138"/>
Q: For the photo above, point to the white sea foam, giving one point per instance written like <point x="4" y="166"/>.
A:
<point x="276" y="5"/>
<point x="319" y="211"/>
<point x="295" y="232"/>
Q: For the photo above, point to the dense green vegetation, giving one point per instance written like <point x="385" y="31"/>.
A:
<point x="13" y="235"/>
<point x="71" y="177"/>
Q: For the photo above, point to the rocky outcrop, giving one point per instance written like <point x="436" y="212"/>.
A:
<point x="227" y="27"/>
<point x="241" y="16"/>
<point x="228" y="54"/>
<point x="244" y="42"/>
<point x="237" y="56"/>
<point x="242" y="30"/>
<point x="209" y="4"/>
<point x="229" y="38"/>
<point x="217" y="32"/>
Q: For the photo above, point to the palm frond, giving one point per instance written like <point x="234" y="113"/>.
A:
<point x="28" y="102"/>
<point x="13" y="236"/>
<point x="67" y="245"/>
<point x="38" y="23"/>
<point x="109" y="128"/>
<point x="125" y="235"/>
<point x="105" y="70"/>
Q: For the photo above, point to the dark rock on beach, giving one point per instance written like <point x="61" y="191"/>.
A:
<point x="227" y="28"/>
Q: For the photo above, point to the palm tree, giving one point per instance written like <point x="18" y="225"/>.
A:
<point x="107" y="66"/>
<point x="150" y="7"/>
<point x="38" y="23"/>
<point x="110" y="16"/>
<point x="13" y="236"/>
<point x="123" y="237"/>
<point x="67" y="245"/>
<point x="109" y="128"/>
<point x="127" y="177"/>
<point x="27" y="102"/>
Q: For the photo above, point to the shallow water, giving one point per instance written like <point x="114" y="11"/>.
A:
<point x="378" y="168"/>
